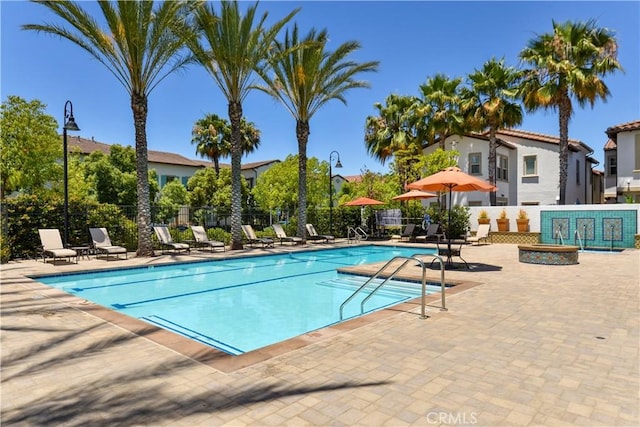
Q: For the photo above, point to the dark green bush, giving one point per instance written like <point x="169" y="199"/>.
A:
<point x="26" y="214"/>
<point x="459" y="220"/>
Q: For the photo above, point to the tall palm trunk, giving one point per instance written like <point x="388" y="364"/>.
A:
<point x="302" y="134"/>
<point x="216" y="165"/>
<point x="492" y="163"/>
<point x="140" y="110"/>
<point x="235" y="117"/>
<point x="564" y="109"/>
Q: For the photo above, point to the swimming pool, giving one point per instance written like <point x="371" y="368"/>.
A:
<point x="242" y="304"/>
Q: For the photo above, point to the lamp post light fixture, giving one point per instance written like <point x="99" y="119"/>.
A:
<point x="338" y="165"/>
<point x="69" y="124"/>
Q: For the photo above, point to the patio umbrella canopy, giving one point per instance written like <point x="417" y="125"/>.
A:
<point x="451" y="179"/>
<point x="414" y="195"/>
<point x="364" y="201"/>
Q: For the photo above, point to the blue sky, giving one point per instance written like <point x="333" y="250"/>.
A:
<point x="412" y="40"/>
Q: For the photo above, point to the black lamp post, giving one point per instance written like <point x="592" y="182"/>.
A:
<point x="69" y="124"/>
<point x="338" y="165"/>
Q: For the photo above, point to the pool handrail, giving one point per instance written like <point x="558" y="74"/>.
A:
<point x="392" y="275"/>
<point x="358" y="234"/>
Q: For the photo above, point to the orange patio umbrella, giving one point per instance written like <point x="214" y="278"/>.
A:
<point x="364" y="201"/>
<point x="451" y="179"/>
<point x="414" y="195"/>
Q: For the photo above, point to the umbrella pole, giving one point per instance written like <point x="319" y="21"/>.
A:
<point x="449" y="224"/>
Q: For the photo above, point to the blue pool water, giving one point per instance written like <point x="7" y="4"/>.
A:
<point x="239" y="305"/>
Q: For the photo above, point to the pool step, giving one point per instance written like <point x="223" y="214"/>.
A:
<point x="395" y="287"/>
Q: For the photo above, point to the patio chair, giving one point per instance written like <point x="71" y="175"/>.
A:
<point x="481" y="234"/>
<point x="448" y="254"/>
<point x="313" y="235"/>
<point x="52" y="245"/>
<point x="432" y="234"/>
<point x="280" y="234"/>
<point x="102" y="244"/>
<point x="408" y="232"/>
<point x="252" y="239"/>
<point x="166" y="241"/>
<point x="201" y="238"/>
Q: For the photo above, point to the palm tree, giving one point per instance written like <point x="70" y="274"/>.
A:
<point x="140" y="46"/>
<point x="212" y="137"/>
<point x="231" y="47"/>
<point x="491" y="102"/>
<point x="395" y="131"/>
<point x="568" y="63"/>
<point x="305" y="77"/>
<point x="442" y="109"/>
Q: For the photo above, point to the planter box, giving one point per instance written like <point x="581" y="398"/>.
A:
<point x="523" y="225"/>
<point x="503" y="224"/>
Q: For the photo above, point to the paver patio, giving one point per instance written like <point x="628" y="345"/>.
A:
<point x="530" y="345"/>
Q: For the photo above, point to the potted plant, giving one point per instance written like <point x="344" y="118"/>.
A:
<point x="523" y="221"/>
<point x="483" y="217"/>
<point x="503" y="221"/>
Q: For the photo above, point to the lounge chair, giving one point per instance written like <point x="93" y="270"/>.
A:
<point x="164" y="237"/>
<point x="313" y="235"/>
<point x="280" y="234"/>
<point x="408" y="232"/>
<point x="432" y="234"/>
<point x="52" y="245"/>
<point x="102" y="243"/>
<point x="481" y="234"/>
<point x="201" y="238"/>
<point x="252" y="239"/>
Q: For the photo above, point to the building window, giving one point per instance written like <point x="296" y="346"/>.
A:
<point x="165" y="179"/>
<point x="578" y="171"/>
<point x="530" y="166"/>
<point x="503" y="168"/>
<point x="613" y="166"/>
<point x="475" y="164"/>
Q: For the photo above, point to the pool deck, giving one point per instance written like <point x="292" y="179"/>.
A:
<point x="520" y="344"/>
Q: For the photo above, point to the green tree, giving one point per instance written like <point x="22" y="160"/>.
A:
<point x="394" y="132"/>
<point x="29" y="146"/>
<point x="441" y="114"/>
<point x="374" y="185"/>
<point x="113" y="177"/>
<point x="440" y="159"/>
<point x="212" y="137"/>
<point x="172" y="197"/>
<point x="277" y="187"/>
<point x="568" y="63"/>
<point x="492" y="101"/>
<point x="140" y="46"/>
<point x="232" y="48"/>
<point x="306" y="76"/>
<point x="205" y="188"/>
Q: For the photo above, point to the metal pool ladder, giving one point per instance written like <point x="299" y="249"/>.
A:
<point x="412" y="258"/>
<point x="358" y="234"/>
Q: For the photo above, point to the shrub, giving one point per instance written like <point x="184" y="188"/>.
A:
<point x="459" y="220"/>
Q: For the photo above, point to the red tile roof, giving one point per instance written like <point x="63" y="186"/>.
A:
<point x="613" y="131"/>
<point x="542" y="137"/>
<point x="88" y="146"/>
<point x="610" y="145"/>
<point x="352" y="178"/>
